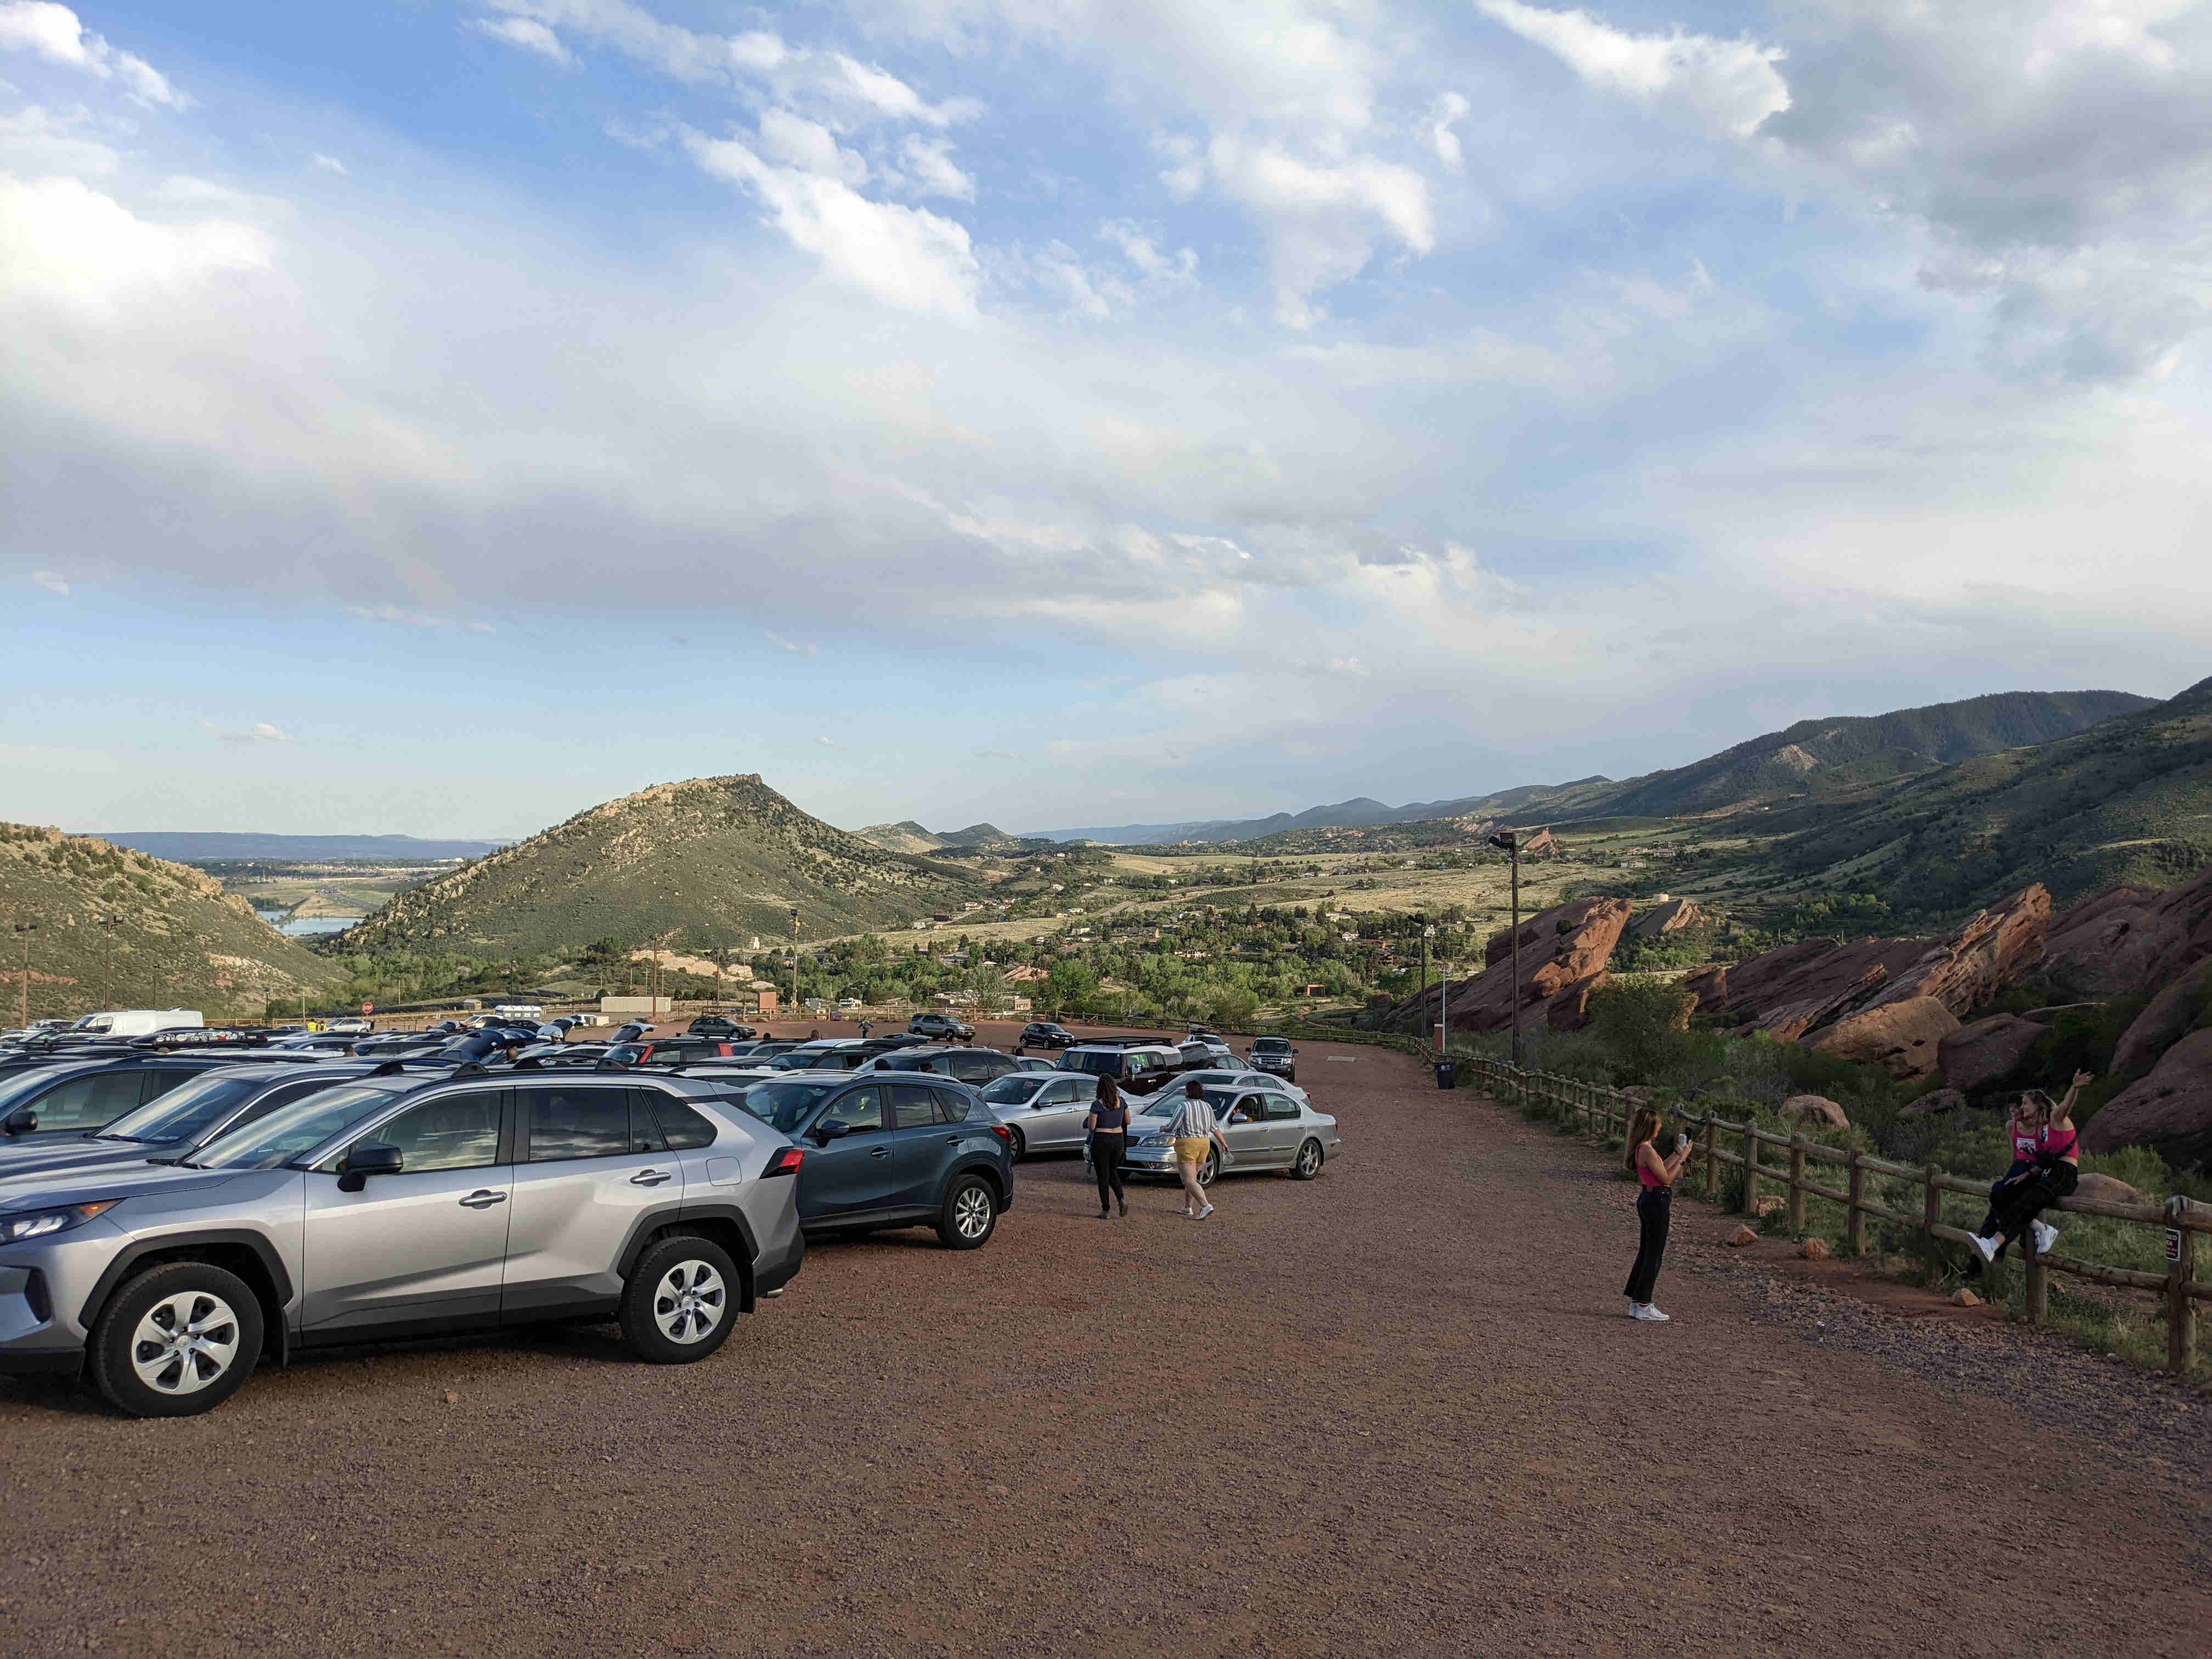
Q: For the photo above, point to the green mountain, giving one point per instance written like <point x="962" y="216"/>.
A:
<point x="904" y="836"/>
<point x="179" y="940"/>
<point x="2128" y="800"/>
<point x="709" y="862"/>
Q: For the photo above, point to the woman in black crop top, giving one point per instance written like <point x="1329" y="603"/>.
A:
<point x="1108" y="1125"/>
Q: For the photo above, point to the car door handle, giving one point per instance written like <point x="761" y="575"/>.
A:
<point x="648" y="1178"/>
<point x="483" y="1198"/>
<point x="881" y="1151"/>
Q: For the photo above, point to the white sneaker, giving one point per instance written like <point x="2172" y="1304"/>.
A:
<point x="1981" y="1246"/>
<point x="1646" y="1310"/>
<point x="1203" y="1213"/>
<point x="2045" y="1237"/>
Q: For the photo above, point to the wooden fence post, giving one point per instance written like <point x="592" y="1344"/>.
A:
<point x="1797" y="1184"/>
<point x="2180" y="1267"/>
<point x="1931" y="1212"/>
<point x="1751" y="1169"/>
<point x="1854" y="1222"/>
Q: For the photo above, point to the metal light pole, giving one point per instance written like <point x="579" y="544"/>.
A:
<point x="794" y="961"/>
<point x="23" y="992"/>
<point x="1507" y="842"/>
<point x="106" y="957"/>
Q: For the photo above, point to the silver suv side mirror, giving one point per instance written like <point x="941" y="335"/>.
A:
<point x="369" y="1157"/>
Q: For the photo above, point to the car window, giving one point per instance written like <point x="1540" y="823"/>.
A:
<point x="1279" y="1106"/>
<point x="1012" y="1089"/>
<point x="579" y="1122"/>
<point x="861" y="1111"/>
<point x="645" y="1133"/>
<point x="913" y="1106"/>
<point x="458" y="1132"/>
<point x="182" y="1112"/>
<point x="952" y="1105"/>
<point x="86" y="1102"/>
<point x="299" y="1127"/>
<point x="685" y="1129"/>
<point x="971" y="1068"/>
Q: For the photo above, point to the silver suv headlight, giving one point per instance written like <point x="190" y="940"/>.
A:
<point x="42" y="1223"/>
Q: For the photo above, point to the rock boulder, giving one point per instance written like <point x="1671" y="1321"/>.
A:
<point x="2170" y="1017"/>
<point x="2105" y="1189"/>
<point x="1984" y="1055"/>
<point x="1564" y="953"/>
<point x="1902" y="1038"/>
<point x="1935" y="1100"/>
<point x="2129" y="939"/>
<point x="1670" y="916"/>
<point x="2170" y="1111"/>
<point x="1815" y="1110"/>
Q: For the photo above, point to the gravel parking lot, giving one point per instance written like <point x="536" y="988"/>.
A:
<point x="1399" y="1409"/>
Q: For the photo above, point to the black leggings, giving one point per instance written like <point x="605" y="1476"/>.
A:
<point x="2026" y="1192"/>
<point x="1106" y="1164"/>
<point x="1653" y="1209"/>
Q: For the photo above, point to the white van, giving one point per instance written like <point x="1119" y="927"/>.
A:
<point x="529" y="1011"/>
<point x="140" y="1022"/>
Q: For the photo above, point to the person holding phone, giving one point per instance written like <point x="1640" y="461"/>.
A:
<point x="1654" y="1207"/>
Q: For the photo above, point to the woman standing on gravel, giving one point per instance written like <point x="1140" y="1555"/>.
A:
<point x="1196" y="1134"/>
<point x="1109" y="1128"/>
<point x="1654" y="1207"/>
<point x="2046" y="1167"/>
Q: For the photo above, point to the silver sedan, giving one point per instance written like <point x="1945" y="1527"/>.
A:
<point x="1043" y="1111"/>
<point x="1266" y="1128"/>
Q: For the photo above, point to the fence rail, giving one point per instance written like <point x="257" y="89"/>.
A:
<point x="1602" y="1111"/>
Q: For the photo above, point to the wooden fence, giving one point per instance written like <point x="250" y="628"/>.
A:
<point x="1604" y="1112"/>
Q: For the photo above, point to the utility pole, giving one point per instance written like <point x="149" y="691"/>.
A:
<point x="107" y="958"/>
<point x="1510" y="844"/>
<point x="23" y="992"/>
<point x="794" y="961"/>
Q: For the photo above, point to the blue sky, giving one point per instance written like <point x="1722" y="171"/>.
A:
<point x="435" y="417"/>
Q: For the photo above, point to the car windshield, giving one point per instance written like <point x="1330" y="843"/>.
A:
<point x="1012" y="1089"/>
<point x="187" y="1109"/>
<point x="1272" y="1046"/>
<point x="1098" y="1062"/>
<point x="291" y="1130"/>
<point x="784" y="1104"/>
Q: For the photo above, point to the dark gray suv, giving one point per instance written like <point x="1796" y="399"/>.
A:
<point x="394" y="1207"/>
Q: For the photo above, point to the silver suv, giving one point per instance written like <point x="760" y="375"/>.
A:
<point x="392" y="1207"/>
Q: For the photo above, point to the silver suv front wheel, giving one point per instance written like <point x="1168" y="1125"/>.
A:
<point x="177" y="1340"/>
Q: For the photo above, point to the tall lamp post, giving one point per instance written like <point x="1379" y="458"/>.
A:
<point x="107" y="925"/>
<point x="23" y="992"/>
<point x="1510" y="844"/>
<point x="794" y="961"/>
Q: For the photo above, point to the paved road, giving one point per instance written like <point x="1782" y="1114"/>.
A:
<point x="1398" y="1410"/>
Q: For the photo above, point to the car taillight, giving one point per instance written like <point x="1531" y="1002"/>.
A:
<point x="1003" y="1133"/>
<point x="785" y="1160"/>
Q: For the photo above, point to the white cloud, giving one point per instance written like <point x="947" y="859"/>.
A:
<point x="260" y="732"/>
<point x="927" y="168"/>
<point x="69" y="245"/>
<point x="905" y="256"/>
<point x="827" y="743"/>
<point x="797" y="647"/>
<point x="51" y="582"/>
<point x="1729" y="85"/>
<point x="893" y="99"/>
<point x="680" y="53"/>
<point x="52" y="32"/>
<point x="1141" y="250"/>
<point x="525" y="33"/>
<point x="1446" y="113"/>
<point x="329" y="163"/>
<point x="1323" y="220"/>
<point x="810" y="147"/>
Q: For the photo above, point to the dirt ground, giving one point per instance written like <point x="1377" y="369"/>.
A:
<point x="1397" y="1410"/>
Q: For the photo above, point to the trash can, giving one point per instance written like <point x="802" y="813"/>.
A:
<point x="1447" y="1075"/>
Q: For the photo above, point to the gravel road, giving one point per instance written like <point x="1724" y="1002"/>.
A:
<point x="1397" y="1410"/>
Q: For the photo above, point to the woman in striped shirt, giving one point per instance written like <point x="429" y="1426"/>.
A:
<point x="1194" y="1132"/>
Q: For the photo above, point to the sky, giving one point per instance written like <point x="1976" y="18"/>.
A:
<point x="437" y="417"/>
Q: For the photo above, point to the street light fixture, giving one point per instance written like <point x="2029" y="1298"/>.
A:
<point x="1510" y="844"/>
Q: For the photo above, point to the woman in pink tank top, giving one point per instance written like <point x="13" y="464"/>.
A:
<point x="2046" y="1167"/>
<point x="1654" y="1207"/>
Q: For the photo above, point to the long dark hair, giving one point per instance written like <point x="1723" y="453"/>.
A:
<point x="1110" y="1094"/>
<point x="1641" y="1128"/>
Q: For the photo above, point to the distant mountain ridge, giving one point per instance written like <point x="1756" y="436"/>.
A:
<point x="704" y="863"/>
<point x="1813" y="756"/>
<point x="198" y="846"/>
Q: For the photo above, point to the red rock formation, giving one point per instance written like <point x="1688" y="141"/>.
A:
<point x="1984" y="1055"/>
<point x="1564" y="953"/>
<point x="1902" y="1038"/>
<point x="2170" y="1111"/>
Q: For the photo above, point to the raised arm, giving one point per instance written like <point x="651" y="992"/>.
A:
<point x="2063" y="1112"/>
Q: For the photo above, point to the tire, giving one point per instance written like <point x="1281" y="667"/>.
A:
<point x="970" y="1215"/>
<point x="177" y="1341"/>
<point x="1015" y="1144"/>
<point x="1309" y="1163"/>
<point x="680" y="1301"/>
<point x="1209" y="1171"/>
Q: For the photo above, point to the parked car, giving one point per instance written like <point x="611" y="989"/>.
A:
<point x="352" y="1024"/>
<point x="891" y="1150"/>
<point x="972" y="1066"/>
<point x="77" y="1097"/>
<point x="1266" y="1129"/>
<point x="1203" y="1053"/>
<point x="456" y="1204"/>
<point x="941" y="1026"/>
<point x="1274" y="1055"/>
<point x="1241" y="1076"/>
<point x="1043" y="1034"/>
<point x="1138" y="1067"/>
<point x="720" y="1025"/>
<point x="667" y="1051"/>
<point x="1043" y="1112"/>
<point x="189" y="1114"/>
<point x="830" y="1056"/>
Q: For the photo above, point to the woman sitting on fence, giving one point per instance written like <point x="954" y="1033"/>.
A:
<point x="2046" y="1167"/>
<point x="1654" y="1207"/>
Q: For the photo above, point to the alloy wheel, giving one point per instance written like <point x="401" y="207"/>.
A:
<point x="690" y="1301"/>
<point x="1308" y="1160"/>
<point x="185" y="1343"/>
<point x="971" y="1211"/>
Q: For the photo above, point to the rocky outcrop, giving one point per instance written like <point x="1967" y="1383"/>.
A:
<point x="1564" y="953"/>
<point x="1935" y="1100"/>
<point x="1902" y="1038"/>
<point x="2127" y="939"/>
<point x="1787" y="992"/>
<point x="2105" y="1189"/>
<point x="1984" y="1055"/>
<point x="1994" y="948"/>
<point x="1669" y="916"/>
<point x="2170" y="1111"/>
<point x="2169" y="1017"/>
<point x="1815" y="1111"/>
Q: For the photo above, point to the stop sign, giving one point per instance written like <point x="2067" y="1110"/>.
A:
<point x="368" y="1007"/>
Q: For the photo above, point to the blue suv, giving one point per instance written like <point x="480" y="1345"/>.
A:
<point x="903" y="1151"/>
